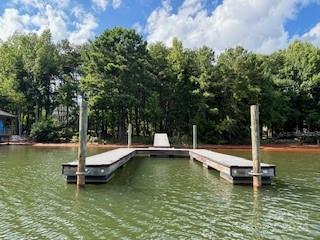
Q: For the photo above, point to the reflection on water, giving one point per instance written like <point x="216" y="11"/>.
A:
<point x="155" y="198"/>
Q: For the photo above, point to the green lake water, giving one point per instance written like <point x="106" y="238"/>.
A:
<point x="155" y="198"/>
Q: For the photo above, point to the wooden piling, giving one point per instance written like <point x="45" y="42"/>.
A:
<point x="129" y="135"/>
<point x="82" y="152"/>
<point x="194" y="128"/>
<point x="255" y="139"/>
<point x="19" y="122"/>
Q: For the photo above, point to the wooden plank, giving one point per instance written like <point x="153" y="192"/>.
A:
<point x="213" y="164"/>
<point x="224" y="159"/>
<point x="227" y="177"/>
<point x="106" y="158"/>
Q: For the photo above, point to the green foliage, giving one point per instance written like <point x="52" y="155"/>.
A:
<point x="49" y="130"/>
<point x="65" y="134"/>
<point x="9" y="85"/>
<point x="37" y="75"/>
<point x="115" y="71"/>
<point x="45" y="131"/>
<point x="156" y="88"/>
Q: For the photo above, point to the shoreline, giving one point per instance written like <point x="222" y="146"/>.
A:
<point x="264" y="147"/>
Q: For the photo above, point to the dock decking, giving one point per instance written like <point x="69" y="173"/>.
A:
<point x="101" y="167"/>
<point x="234" y="169"/>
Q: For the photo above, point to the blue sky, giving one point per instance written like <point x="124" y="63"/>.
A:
<point x="258" y="25"/>
<point x="136" y="11"/>
<point x="307" y="17"/>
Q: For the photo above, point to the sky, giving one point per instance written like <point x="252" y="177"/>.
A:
<point x="262" y="26"/>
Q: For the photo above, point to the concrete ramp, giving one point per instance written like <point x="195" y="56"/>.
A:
<point x="161" y="140"/>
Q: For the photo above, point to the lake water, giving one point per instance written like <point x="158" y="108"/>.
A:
<point x="156" y="198"/>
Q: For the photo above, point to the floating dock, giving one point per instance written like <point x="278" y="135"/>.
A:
<point x="236" y="170"/>
<point x="101" y="167"/>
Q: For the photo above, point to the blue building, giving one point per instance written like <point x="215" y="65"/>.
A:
<point x="6" y="125"/>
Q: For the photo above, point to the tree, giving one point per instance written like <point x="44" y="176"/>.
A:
<point x="161" y="85"/>
<point x="159" y="88"/>
<point x="301" y="73"/>
<point x="69" y="76"/>
<point x="242" y="83"/>
<point x="115" y="69"/>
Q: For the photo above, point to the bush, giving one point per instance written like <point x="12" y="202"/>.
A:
<point x="45" y="131"/>
<point x="50" y="131"/>
<point x="65" y="135"/>
<point x="74" y="139"/>
<point x="182" y="139"/>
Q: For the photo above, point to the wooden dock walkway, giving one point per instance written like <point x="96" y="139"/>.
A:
<point x="236" y="170"/>
<point x="101" y="167"/>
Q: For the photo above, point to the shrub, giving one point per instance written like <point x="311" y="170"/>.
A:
<point x="65" y="135"/>
<point x="50" y="131"/>
<point x="74" y="139"/>
<point x="45" y="131"/>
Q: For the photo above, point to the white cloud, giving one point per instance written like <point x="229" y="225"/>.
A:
<point x="103" y="4"/>
<point x="138" y="27"/>
<point x="11" y="21"/>
<point x="41" y="4"/>
<point x="66" y="19"/>
<point x="116" y="3"/>
<point x="313" y="35"/>
<point x="54" y="20"/>
<point x="29" y="3"/>
<point x="84" y="30"/>
<point x="257" y="25"/>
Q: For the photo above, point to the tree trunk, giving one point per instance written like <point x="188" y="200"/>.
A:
<point x="37" y="113"/>
<point x="137" y="122"/>
<point x="67" y="116"/>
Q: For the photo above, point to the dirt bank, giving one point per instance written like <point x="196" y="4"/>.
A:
<point x="266" y="147"/>
<point x="93" y="145"/>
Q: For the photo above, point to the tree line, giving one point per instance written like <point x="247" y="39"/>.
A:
<point x="156" y="88"/>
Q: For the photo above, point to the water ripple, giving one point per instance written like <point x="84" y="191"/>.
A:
<point x="155" y="199"/>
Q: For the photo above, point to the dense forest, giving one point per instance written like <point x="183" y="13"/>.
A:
<point x="156" y="88"/>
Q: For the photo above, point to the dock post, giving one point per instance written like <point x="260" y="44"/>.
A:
<point x="19" y="122"/>
<point x="194" y="128"/>
<point x="82" y="152"/>
<point x="255" y="139"/>
<point x="129" y="135"/>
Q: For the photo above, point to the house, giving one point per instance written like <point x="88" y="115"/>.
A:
<point x="6" y="125"/>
